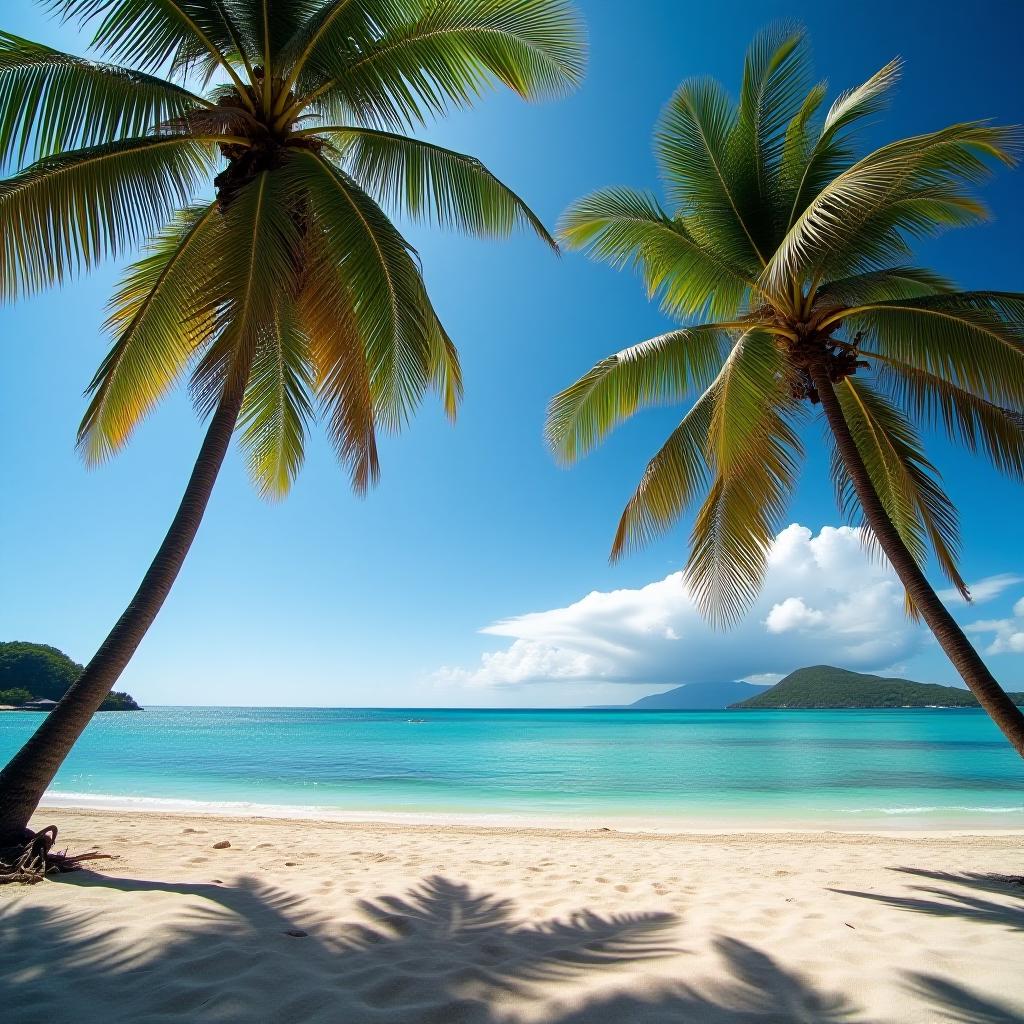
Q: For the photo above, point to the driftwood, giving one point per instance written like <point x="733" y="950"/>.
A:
<point x="33" y="860"/>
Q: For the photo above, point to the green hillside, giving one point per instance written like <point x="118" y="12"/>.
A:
<point x="824" y="686"/>
<point x="45" y="672"/>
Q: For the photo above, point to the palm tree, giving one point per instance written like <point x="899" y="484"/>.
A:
<point x="790" y="259"/>
<point x="289" y="292"/>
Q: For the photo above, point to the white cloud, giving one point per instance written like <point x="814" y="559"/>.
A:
<point x="1009" y="633"/>
<point x="825" y="599"/>
<point x="984" y="590"/>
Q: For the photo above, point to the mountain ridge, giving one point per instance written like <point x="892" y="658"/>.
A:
<point x="827" y="687"/>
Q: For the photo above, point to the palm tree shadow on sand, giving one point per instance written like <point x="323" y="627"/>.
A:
<point x="952" y="900"/>
<point x="438" y="954"/>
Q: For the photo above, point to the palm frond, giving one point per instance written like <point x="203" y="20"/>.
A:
<point x="753" y="454"/>
<point x="51" y="101"/>
<point x="158" y="319"/>
<point x="905" y="481"/>
<point x="775" y="80"/>
<point x="968" y="419"/>
<point x="884" y="285"/>
<point x="188" y="36"/>
<point x="932" y="166"/>
<point x="659" y="370"/>
<point x="810" y="168"/>
<point x="973" y="340"/>
<point x="692" y="145"/>
<point x="432" y="183"/>
<point x="341" y="381"/>
<point x="277" y="407"/>
<point x="445" y="370"/>
<point x="671" y="482"/>
<point x="66" y="212"/>
<point x="392" y="312"/>
<point x="439" y="53"/>
<point x="622" y="227"/>
<point x="256" y="263"/>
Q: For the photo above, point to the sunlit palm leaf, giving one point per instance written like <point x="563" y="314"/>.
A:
<point x="967" y="419"/>
<point x="656" y="371"/>
<point x="753" y="454"/>
<point x="65" y="213"/>
<point x="341" y="380"/>
<point x="158" y="319"/>
<point x="256" y="264"/>
<point x="277" y="405"/>
<point x="184" y="35"/>
<point x="811" y="166"/>
<point x="775" y="79"/>
<point x="932" y="165"/>
<point x="883" y="285"/>
<point x="391" y="310"/>
<point x="974" y="340"/>
<point x="433" y="183"/>
<point x="622" y="227"/>
<point x="671" y="482"/>
<point x="436" y="53"/>
<point x="51" y="101"/>
<point x="692" y="146"/>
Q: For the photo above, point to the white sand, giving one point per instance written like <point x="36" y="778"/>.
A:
<point x="444" y="925"/>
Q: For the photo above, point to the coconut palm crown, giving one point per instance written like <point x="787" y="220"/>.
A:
<point x="292" y="277"/>
<point x="790" y="257"/>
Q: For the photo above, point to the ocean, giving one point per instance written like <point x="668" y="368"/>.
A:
<point x="904" y="769"/>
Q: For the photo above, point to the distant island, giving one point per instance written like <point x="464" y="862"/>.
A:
<point x="33" y="674"/>
<point x="691" y="697"/>
<point x="824" y="686"/>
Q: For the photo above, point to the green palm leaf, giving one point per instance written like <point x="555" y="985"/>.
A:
<point x="929" y="166"/>
<point x="52" y="101"/>
<point x="277" y="406"/>
<point x="967" y="418"/>
<point x="326" y="307"/>
<point x="436" y="53"/>
<point x="692" y="145"/>
<point x="392" y="313"/>
<point x="810" y="167"/>
<point x="432" y="183"/>
<point x="184" y="35"/>
<point x="753" y="455"/>
<point x="255" y="269"/>
<point x="672" y="480"/>
<point x="775" y="80"/>
<point x="656" y="371"/>
<point x="974" y="340"/>
<point x="158" y="319"/>
<point x="621" y="227"/>
<point x="67" y="212"/>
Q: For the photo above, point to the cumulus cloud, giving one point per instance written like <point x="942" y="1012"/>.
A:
<point x="825" y="599"/>
<point x="983" y="590"/>
<point x="1008" y="634"/>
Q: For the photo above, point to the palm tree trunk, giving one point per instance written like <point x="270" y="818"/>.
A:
<point x="991" y="696"/>
<point x="28" y="774"/>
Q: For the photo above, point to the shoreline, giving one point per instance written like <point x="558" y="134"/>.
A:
<point x="896" y="825"/>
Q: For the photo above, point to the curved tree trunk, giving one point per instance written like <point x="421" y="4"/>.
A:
<point x="965" y="658"/>
<point x="28" y="774"/>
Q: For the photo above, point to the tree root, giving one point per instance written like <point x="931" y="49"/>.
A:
<point x="34" y="859"/>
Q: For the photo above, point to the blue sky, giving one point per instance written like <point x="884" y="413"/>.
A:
<point x="328" y="599"/>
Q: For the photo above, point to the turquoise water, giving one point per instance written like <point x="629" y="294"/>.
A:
<point x="853" y="769"/>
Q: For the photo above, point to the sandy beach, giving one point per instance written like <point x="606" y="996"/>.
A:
<point x="328" y="921"/>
